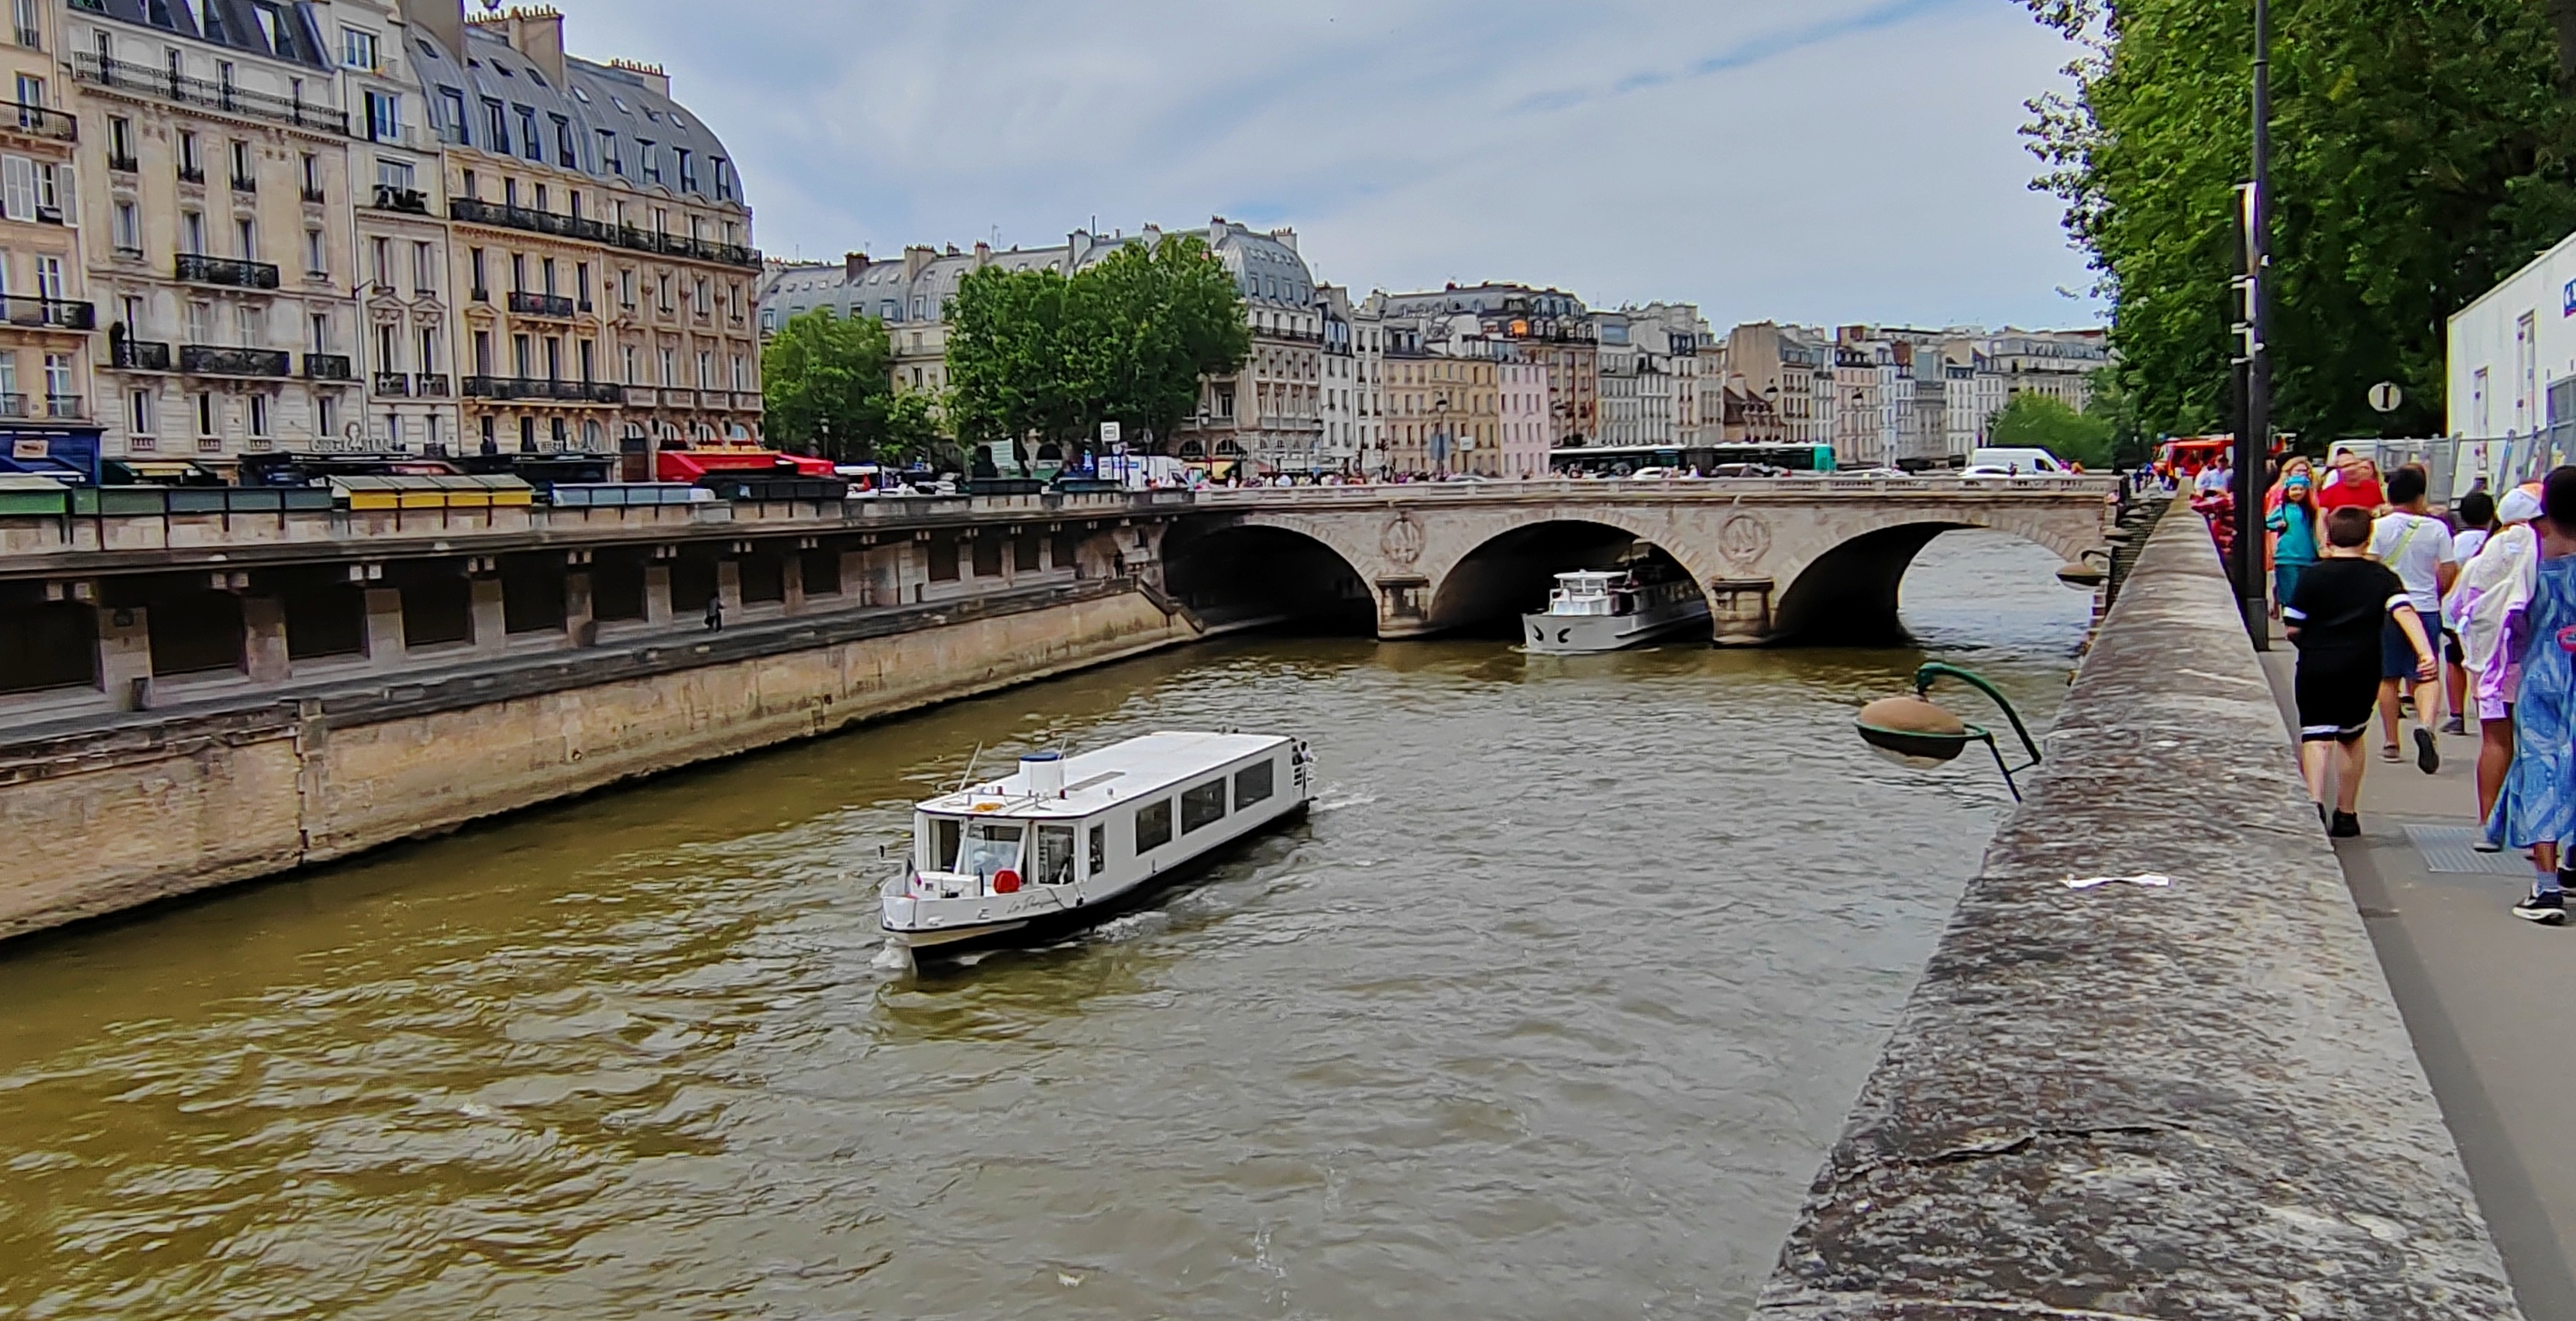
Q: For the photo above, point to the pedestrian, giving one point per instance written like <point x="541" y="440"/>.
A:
<point x="2474" y="521"/>
<point x="2354" y="483"/>
<point x="715" y="613"/>
<point x="2297" y="466"/>
<point x="2537" y="808"/>
<point x="2213" y="479"/>
<point x="2492" y="596"/>
<point x="2295" y="535"/>
<point x="2343" y="603"/>
<point x="2417" y="547"/>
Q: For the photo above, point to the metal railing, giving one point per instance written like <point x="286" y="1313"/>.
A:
<point x="226" y="271"/>
<point x="390" y="383"/>
<point x="89" y="67"/>
<point x="475" y="211"/>
<point x="213" y="360"/>
<point x="429" y="385"/>
<point x="140" y="355"/>
<point x="37" y="121"/>
<point x="527" y="387"/>
<point x="47" y="313"/>
<point x="545" y="305"/>
<point x="65" y="407"/>
<point x="326" y="366"/>
<point x="410" y="200"/>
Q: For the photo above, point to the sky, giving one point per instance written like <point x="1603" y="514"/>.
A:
<point x="1822" y="161"/>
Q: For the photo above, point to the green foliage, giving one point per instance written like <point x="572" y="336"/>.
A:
<point x="1032" y="354"/>
<point x="2421" y="153"/>
<point x="2039" y="420"/>
<point x="829" y="389"/>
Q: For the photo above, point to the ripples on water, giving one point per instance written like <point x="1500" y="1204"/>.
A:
<point x="1548" y="1010"/>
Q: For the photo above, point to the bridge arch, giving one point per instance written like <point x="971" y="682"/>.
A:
<point x="1509" y="572"/>
<point x="1848" y="592"/>
<point x="1233" y="572"/>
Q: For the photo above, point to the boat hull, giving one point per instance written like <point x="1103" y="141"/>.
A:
<point x="1571" y="635"/>
<point x="1046" y="929"/>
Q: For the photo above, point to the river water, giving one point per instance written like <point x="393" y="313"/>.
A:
<point x="1549" y="1009"/>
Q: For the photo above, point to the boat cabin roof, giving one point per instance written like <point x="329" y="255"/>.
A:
<point x="1097" y="781"/>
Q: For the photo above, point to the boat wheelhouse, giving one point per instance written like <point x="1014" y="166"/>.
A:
<point x="1067" y="841"/>
<point x="1606" y="609"/>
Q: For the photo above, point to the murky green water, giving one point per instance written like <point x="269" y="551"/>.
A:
<point x="1549" y="1010"/>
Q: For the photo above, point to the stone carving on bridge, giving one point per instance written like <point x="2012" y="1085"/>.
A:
<point x="1744" y="539"/>
<point x="1403" y="539"/>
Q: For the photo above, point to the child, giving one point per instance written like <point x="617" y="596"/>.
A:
<point x="2343" y="602"/>
<point x="2537" y="809"/>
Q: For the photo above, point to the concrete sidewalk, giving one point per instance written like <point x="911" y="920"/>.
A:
<point x="2481" y="991"/>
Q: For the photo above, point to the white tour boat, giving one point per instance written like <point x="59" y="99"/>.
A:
<point x="1606" y="609"/>
<point x="1070" y="840"/>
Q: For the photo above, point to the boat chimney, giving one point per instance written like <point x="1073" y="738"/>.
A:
<point x="1045" y="773"/>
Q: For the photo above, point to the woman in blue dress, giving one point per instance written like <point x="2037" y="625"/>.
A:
<point x="2537" y="808"/>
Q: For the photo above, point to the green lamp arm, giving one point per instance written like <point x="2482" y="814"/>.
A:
<point x="1932" y="670"/>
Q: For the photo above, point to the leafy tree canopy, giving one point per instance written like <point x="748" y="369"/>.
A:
<point x="829" y="389"/>
<point x="2422" y="151"/>
<point x="2039" y="420"/>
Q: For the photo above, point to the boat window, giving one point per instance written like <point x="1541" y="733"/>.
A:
<point x="991" y="848"/>
<point x="1099" y="849"/>
<point x="1055" y="855"/>
<point x="1153" y="825"/>
<point x="1251" y="785"/>
<point x="1203" y="805"/>
<point x="945" y="832"/>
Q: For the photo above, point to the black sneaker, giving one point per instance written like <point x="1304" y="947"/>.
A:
<point x="2455" y="725"/>
<point x="2546" y="907"/>
<point x="2428" y="758"/>
<point x="2344" y="825"/>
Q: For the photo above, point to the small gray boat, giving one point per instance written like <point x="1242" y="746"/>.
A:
<point x="1606" y="609"/>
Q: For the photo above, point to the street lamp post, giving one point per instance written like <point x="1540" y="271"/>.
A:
<point x="2253" y="437"/>
<point x="1912" y="731"/>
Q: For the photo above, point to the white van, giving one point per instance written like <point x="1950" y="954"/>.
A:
<point x="2026" y="461"/>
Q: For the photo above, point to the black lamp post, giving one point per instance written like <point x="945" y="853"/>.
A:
<point x="1912" y="731"/>
<point x="2253" y="437"/>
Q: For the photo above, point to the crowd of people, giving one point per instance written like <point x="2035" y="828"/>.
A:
<point x="2468" y="622"/>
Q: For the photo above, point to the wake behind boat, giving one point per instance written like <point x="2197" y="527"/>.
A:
<point x="1068" y="841"/>
<point x="1606" y="609"/>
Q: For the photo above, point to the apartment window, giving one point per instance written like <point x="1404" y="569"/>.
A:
<point x="259" y="414"/>
<point x="631" y="377"/>
<point x="565" y="156"/>
<point x="706" y="370"/>
<point x="129" y="228"/>
<point x="387" y="338"/>
<point x="451" y="115"/>
<point x="496" y="128"/>
<point x="581" y="282"/>
<point x="382" y="250"/>
<point x="322" y="340"/>
<point x="317" y="259"/>
<point x="244" y="175"/>
<point x="523" y="358"/>
<point x="482" y="287"/>
<point x="31" y="99"/>
<point x="247" y="230"/>
<point x="358" y="49"/>
<point x="428" y="349"/>
<point x="528" y="144"/>
<point x="309" y="170"/>
<point x="587" y="356"/>
<point x="644" y="157"/>
<point x="741" y="374"/>
<point x="199" y="315"/>
<point x="192" y="233"/>
<point x="30" y="31"/>
<point x="509" y="191"/>
<point x="138" y="414"/>
<point x="49" y="283"/>
<point x="724" y="182"/>
<point x="698" y="297"/>
<point x="546" y="273"/>
<point x="120" y="142"/>
<point x="422" y="277"/>
<point x="670" y="367"/>
<point x="608" y="159"/>
<point x="205" y="414"/>
<point x="246" y="325"/>
<point x="518" y="272"/>
<point x="468" y="186"/>
<point x="626" y="287"/>
<point x="190" y="165"/>
<point x="482" y="353"/>
<point x="326" y="414"/>
<point x="688" y="171"/>
<point x="664" y="284"/>
<point x="384" y="116"/>
<point x="542" y="203"/>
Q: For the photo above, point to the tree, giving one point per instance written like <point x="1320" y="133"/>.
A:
<point x="2422" y="152"/>
<point x="1020" y="356"/>
<point x="830" y="388"/>
<point x="1174" y="318"/>
<point x="2039" y="421"/>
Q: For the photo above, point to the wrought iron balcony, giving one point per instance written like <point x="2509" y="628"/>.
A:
<point x="89" y="67"/>
<point x="226" y="270"/>
<point x="326" y="366"/>
<point x="410" y="200"/>
<point x="429" y="385"/>
<point x="478" y="212"/>
<point x="140" y="355"/>
<point x="210" y="360"/>
<point x="545" y="305"/>
<point x="525" y="387"/>
<point x="314" y="195"/>
<point x="38" y="122"/>
<point x="44" y="313"/>
<point x="243" y="183"/>
<point x="192" y="174"/>
<point x="122" y="164"/>
<point x="391" y="383"/>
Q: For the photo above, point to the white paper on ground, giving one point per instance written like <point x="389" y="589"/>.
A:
<point x="2153" y="879"/>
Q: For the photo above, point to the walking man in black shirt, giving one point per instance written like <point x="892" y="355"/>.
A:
<point x="2336" y="619"/>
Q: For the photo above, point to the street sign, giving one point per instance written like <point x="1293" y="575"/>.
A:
<point x="2385" y="396"/>
<point x="1108" y="433"/>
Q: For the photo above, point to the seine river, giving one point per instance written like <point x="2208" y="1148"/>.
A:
<point x="1549" y="1010"/>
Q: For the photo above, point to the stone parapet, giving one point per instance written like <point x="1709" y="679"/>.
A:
<point x="2193" y="1101"/>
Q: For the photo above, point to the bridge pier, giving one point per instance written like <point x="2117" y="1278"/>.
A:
<point x="1739" y="611"/>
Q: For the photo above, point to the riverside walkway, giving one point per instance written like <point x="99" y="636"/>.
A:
<point x="2481" y="992"/>
<point x="2194" y="1099"/>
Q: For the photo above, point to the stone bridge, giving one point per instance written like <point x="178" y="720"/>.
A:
<point x="1813" y="558"/>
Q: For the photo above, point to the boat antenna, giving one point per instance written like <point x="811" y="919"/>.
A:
<point x="969" y="777"/>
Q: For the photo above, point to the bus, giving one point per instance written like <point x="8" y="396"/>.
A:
<point x="1707" y="458"/>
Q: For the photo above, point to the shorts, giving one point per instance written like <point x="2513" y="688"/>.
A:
<point x="2396" y="654"/>
<point x="2451" y="647"/>
<point x="2336" y="694"/>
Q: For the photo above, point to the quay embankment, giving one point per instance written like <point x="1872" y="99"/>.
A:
<point x="2110" y="1097"/>
<point x="109" y="810"/>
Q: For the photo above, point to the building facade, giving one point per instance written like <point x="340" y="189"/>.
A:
<point x="49" y="404"/>
<point x="1549" y="327"/>
<point x="1521" y="405"/>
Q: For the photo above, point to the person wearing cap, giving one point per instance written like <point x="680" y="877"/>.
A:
<point x="2536" y="808"/>
<point x="2489" y="600"/>
<point x="2296" y="537"/>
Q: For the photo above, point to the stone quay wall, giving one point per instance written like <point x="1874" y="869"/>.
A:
<point x="144" y="808"/>
<point x="2194" y="1101"/>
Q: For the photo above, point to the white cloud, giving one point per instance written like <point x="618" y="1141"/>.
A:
<point x="1819" y="160"/>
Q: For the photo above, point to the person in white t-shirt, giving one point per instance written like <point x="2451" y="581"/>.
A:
<point x="2476" y="516"/>
<point x="2417" y="547"/>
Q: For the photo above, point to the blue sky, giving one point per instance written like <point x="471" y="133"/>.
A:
<point x="1815" y="160"/>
